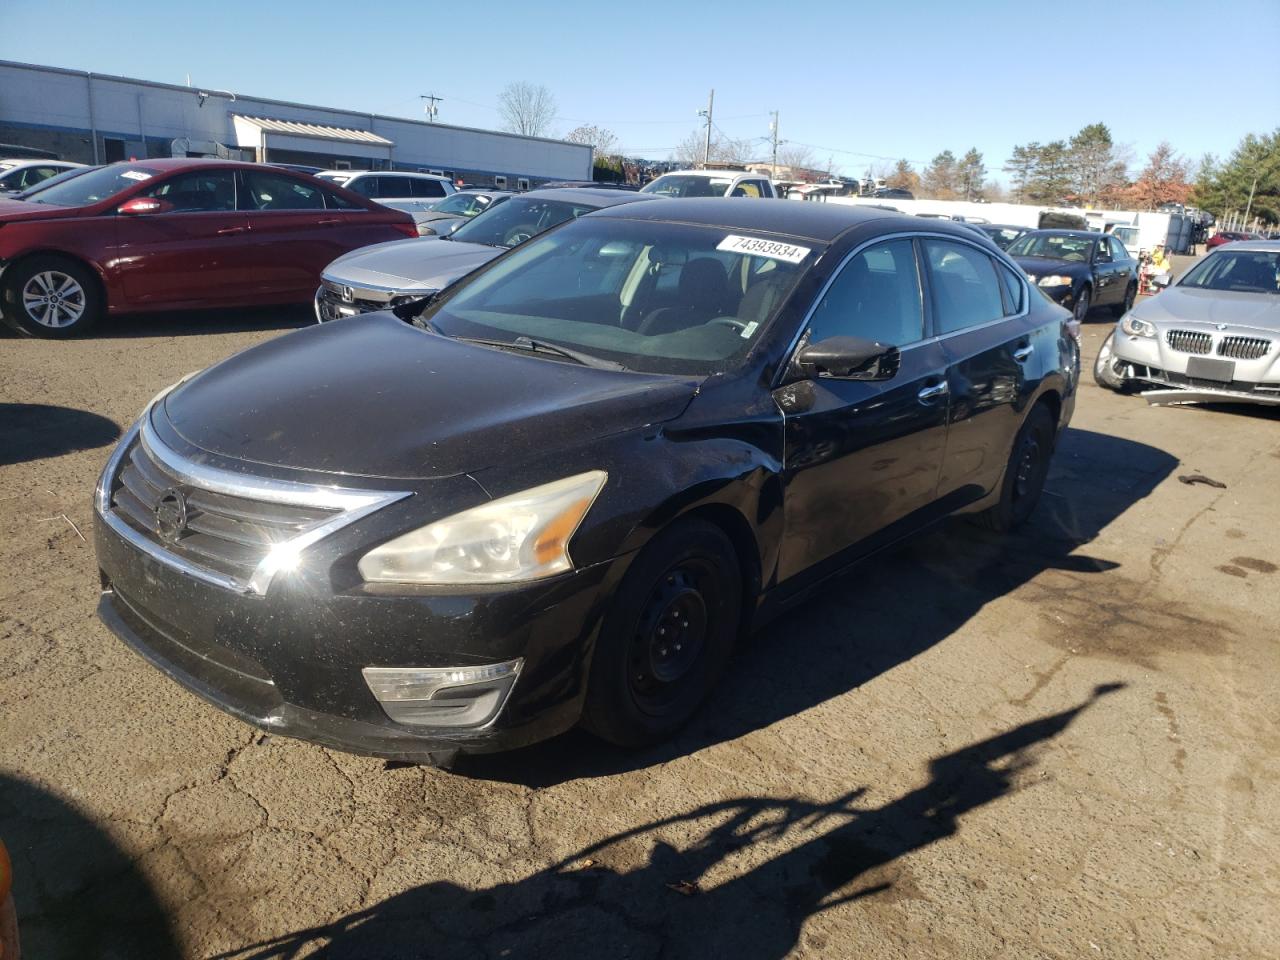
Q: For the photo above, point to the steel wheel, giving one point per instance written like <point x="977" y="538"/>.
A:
<point x="54" y="299"/>
<point x="670" y="636"/>
<point x="1083" y="304"/>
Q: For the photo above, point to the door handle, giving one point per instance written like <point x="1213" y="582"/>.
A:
<point x="1023" y="354"/>
<point x="937" y="390"/>
<point x="231" y="231"/>
<point x="329" y="223"/>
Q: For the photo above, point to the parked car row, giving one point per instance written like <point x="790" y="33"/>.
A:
<point x="17" y="175"/>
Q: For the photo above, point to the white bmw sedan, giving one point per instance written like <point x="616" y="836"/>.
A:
<point x="1213" y="336"/>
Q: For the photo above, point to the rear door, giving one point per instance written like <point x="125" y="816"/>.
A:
<point x="861" y="456"/>
<point x="980" y="314"/>
<point x="294" y="234"/>
<point x="194" y="249"/>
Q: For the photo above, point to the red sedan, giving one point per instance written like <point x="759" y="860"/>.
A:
<point x="174" y="234"/>
<point x="1226" y="236"/>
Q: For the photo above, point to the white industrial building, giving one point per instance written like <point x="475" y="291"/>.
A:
<point x="93" y="118"/>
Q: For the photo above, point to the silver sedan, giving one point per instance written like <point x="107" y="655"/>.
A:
<point x="1213" y="336"/>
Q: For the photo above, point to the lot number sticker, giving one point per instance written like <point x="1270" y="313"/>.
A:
<point x="763" y="248"/>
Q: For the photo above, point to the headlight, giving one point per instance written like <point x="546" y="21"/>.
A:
<point x="1136" y="328"/>
<point x="1055" y="280"/>
<point x="521" y="537"/>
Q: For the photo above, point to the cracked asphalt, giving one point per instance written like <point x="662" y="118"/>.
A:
<point x="1063" y="744"/>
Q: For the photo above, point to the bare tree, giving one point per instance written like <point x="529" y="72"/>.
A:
<point x="796" y="156"/>
<point x="527" y="109"/>
<point x="604" y="141"/>
<point x="689" y="151"/>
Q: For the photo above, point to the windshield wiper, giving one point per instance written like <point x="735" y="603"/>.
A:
<point x="529" y="345"/>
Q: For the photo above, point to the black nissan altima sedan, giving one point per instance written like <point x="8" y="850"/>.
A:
<point x="561" y="490"/>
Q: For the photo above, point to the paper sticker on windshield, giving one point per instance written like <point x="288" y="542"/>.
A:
<point x="136" y="175"/>
<point x="755" y="247"/>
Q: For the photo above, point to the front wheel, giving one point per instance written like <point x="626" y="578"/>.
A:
<point x="667" y="637"/>
<point x="52" y="297"/>
<point x="1025" y="474"/>
<point x="1104" y="368"/>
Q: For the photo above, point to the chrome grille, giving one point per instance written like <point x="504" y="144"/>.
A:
<point x="1243" y="348"/>
<point x="230" y="534"/>
<point x="1189" y="341"/>
<point x="233" y="530"/>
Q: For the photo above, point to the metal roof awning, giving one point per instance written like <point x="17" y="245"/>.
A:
<point x="295" y="128"/>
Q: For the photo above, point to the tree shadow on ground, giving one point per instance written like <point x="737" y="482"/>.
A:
<point x="584" y="906"/>
<point x="880" y="614"/>
<point x="78" y="894"/>
<point x="34" y="431"/>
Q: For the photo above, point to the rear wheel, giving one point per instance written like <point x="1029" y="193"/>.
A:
<point x="1025" y="475"/>
<point x="1125" y="305"/>
<point x="667" y="637"/>
<point x="53" y="297"/>
<point x="1084" y="303"/>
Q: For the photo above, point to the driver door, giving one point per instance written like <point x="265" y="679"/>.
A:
<point x="863" y="456"/>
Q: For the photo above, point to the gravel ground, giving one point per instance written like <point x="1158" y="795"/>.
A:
<point x="1062" y="744"/>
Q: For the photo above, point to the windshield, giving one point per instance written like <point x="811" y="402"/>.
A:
<point x="1244" y="271"/>
<point x="688" y="185"/>
<point x="655" y="297"/>
<point x="93" y="185"/>
<point x="1058" y="246"/>
<point x="462" y="204"/>
<point x="506" y="224"/>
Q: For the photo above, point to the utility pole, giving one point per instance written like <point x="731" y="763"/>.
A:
<point x="430" y="107"/>
<point x="773" y="131"/>
<point x="706" y="147"/>
<point x="1249" y="206"/>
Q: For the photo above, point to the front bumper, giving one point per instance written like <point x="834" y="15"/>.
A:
<point x="1209" y="375"/>
<point x="289" y="661"/>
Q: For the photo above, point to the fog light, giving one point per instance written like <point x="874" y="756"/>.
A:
<point x="443" y="696"/>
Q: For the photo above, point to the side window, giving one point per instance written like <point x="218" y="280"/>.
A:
<point x="747" y="188"/>
<point x="365" y="186"/>
<point x="1101" y="252"/>
<point x="204" y="191"/>
<point x="432" y="189"/>
<point x="1013" y="287"/>
<point x="333" y="201"/>
<point x="876" y="296"/>
<point x="273" y="191"/>
<point x="398" y="187"/>
<point x="1118" y="250"/>
<point x="964" y="286"/>
<point x="766" y="189"/>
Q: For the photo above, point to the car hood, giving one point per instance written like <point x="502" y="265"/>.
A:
<point x="373" y="396"/>
<point x="14" y="210"/>
<point x="1189" y="305"/>
<point x="1040" y="266"/>
<point x="427" y="263"/>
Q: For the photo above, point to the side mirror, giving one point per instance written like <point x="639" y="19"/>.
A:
<point x="140" y="206"/>
<point x="848" y="358"/>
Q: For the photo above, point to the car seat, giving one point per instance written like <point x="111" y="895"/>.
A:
<point x="703" y="294"/>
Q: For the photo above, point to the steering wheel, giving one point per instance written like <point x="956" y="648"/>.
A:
<point x="517" y="234"/>
<point x="728" y="322"/>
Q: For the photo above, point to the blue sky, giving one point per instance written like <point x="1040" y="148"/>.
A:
<point x="882" y="80"/>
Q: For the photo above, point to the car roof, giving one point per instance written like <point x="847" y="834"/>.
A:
<point x="823" y="222"/>
<point x="713" y="173"/>
<point x="1262" y="246"/>
<point x="588" y="196"/>
<point x="389" y="173"/>
<point x="1082" y="234"/>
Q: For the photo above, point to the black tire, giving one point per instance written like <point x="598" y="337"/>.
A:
<point x="1084" y="303"/>
<point x="1025" y="475"/>
<point x="52" y="297"/>
<point x="1104" y="372"/>
<point x="667" y="637"/>
<point x="1125" y="305"/>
